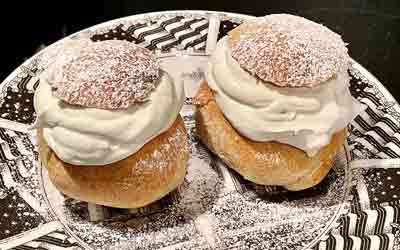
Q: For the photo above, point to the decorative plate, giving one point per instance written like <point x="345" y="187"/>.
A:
<point x="356" y="206"/>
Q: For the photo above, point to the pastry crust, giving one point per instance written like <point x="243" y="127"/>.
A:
<point x="144" y="177"/>
<point x="266" y="163"/>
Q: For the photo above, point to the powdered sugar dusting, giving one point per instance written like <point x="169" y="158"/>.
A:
<point x="162" y="157"/>
<point x="203" y="214"/>
<point x="290" y="51"/>
<point x="109" y="74"/>
<point x="266" y="158"/>
<point x="254" y="222"/>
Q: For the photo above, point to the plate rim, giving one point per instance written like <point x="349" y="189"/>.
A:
<point x="204" y="13"/>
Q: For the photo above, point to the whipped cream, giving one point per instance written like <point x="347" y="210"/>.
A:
<point x="305" y="118"/>
<point x="91" y="136"/>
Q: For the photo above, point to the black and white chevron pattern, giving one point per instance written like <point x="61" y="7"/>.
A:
<point x="56" y="240"/>
<point x="14" y="144"/>
<point x="377" y="129"/>
<point x="178" y="32"/>
<point x="368" y="229"/>
<point x="48" y="236"/>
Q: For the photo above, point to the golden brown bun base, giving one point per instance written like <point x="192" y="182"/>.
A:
<point x="266" y="163"/>
<point x="144" y="177"/>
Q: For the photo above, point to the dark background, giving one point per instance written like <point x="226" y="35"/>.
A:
<point x="371" y="27"/>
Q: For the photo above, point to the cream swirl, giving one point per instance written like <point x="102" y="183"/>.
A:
<point x="305" y="118"/>
<point x="92" y="136"/>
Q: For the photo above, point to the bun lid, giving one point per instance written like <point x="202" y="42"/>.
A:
<point x="288" y="51"/>
<point x="110" y="74"/>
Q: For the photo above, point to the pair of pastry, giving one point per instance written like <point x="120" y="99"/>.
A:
<point x="274" y="108"/>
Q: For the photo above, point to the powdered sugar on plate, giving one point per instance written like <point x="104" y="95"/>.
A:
<point x="201" y="214"/>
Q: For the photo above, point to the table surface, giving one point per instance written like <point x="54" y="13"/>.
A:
<point x="371" y="27"/>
